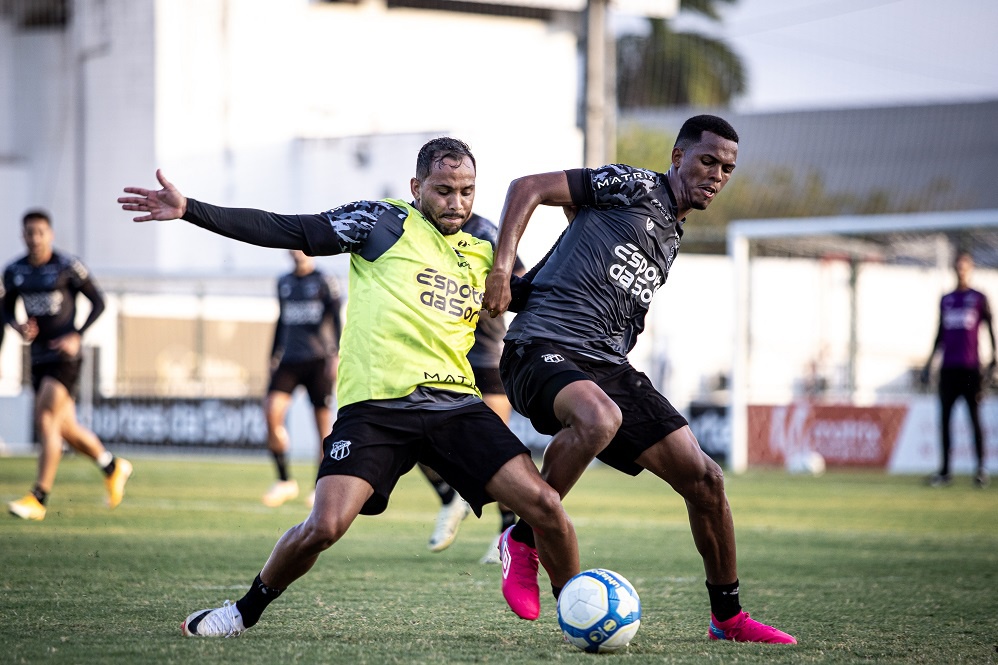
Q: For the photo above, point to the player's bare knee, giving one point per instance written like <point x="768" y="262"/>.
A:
<point x="597" y="426"/>
<point x="321" y="534"/>
<point x="550" y="514"/>
<point x="708" y="490"/>
<point x="48" y="421"/>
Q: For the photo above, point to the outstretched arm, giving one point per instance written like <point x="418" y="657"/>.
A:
<point x="344" y="229"/>
<point x="159" y="205"/>
<point x="522" y="198"/>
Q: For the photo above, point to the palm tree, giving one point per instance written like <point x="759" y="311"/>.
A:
<point x="670" y="68"/>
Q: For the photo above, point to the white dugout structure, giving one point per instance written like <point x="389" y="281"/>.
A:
<point x="929" y="240"/>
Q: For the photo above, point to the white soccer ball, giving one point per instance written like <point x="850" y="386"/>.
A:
<point x="599" y="611"/>
<point x="807" y="462"/>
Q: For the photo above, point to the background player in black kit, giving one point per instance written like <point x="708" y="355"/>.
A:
<point x="47" y="283"/>
<point x="565" y="363"/>
<point x="306" y="341"/>
<point x="484" y="358"/>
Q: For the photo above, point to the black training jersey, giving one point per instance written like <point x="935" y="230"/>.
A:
<point x="490" y="331"/>
<point x="48" y="293"/>
<point x="594" y="288"/>
<point x="367" y="228"/>
<point x="309" y="324"/>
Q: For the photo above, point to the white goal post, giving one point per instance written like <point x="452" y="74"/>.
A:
<point x="916" y="238"/>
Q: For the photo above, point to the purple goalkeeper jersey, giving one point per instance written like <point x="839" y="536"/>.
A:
<point x="960" y="316"/>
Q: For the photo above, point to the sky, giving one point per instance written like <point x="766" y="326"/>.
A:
<point x="806" y="54"/>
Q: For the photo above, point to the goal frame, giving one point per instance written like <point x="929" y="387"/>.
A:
<point x="741" y="233"/>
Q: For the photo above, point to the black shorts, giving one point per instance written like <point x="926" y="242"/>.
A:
<point x="488" y="381"/>
<point x="310" y="373"/>
<point x="962" y="382"/>
<point x="66" y="372"/>
<point x="466" y="446"/>
<point x="534" y="374"/>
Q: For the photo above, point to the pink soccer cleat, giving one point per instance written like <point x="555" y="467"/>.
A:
<point x="743" y="628"/>
<point x="519" y="577"/>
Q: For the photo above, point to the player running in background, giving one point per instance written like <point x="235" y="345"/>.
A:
<point x="565" y="363"/>
<point x="47" y="283"/>
<point x="405" y="389"/>
<point x="484" y="359"/>
<point x="305" y="353"/>
<point x="961" y="313"/>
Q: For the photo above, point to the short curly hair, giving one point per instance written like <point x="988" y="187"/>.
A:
<point x="36" y="213"/>
<point x="439" y="149"/>
<point x="693" y="129"/>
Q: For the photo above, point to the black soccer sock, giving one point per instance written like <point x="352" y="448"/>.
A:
<point x="444" y="491"/>
<point x="40" y="494"/>
<point x="508" y="518"/>
<point x="281" y="461"/>
<point x="252" y="605"/>
<point x="106" y="462"/>
<point x="724" y="602"/>
<point x="523" y="533"/>
<point x="556" y="590"/>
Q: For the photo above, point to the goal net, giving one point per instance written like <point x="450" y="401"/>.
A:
<point x="834" y="318"/>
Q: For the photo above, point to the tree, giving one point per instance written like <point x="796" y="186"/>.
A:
<point x="776" y="191"/>
<point x="670" y="68"/>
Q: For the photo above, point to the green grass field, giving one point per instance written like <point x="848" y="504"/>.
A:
<point x="860" y="567"/>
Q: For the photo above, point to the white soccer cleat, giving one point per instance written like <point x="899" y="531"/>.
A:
<point x="492" y="554"/>
<point x="224" y="621"/>
<point x="280" y="492"/>
<point x="448" y="521"/>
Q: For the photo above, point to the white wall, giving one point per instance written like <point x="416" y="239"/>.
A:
<point x="237" y="99"/>
<point x="799" y="316"/>
<point x="266" y="105"/>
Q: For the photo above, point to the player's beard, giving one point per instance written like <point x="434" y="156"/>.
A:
<point x="449" y="225"/>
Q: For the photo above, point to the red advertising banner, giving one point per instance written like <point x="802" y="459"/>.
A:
<point x="844" y="435"/>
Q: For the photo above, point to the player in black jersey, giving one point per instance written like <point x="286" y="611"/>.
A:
<point x="306" y="340"/>
<point x="565" y="363"/>
<point x="47" y="282"/>
<point x="484" y="358"/>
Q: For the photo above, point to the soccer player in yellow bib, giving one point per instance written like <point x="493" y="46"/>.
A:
<point x="405" y="389"/>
